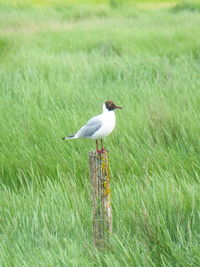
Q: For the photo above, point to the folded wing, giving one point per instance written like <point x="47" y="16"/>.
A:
<point x="90" y="128"/>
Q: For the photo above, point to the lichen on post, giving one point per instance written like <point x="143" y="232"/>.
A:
<point x="101" y="197"/>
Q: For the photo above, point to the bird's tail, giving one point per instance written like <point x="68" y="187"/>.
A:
<point x="72" y="136"/>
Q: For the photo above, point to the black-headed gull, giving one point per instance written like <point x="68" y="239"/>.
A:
<point x="99" y="126"/>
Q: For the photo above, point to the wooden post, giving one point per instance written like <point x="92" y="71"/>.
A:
<point x="101" y="199"/>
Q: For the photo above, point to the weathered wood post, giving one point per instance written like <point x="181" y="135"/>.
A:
<point x="101" y="198"/>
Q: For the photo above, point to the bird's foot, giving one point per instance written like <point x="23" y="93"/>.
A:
<point x="98" y="151"/>
<point x="101" y="151"/>
<point x="104" y="150"/>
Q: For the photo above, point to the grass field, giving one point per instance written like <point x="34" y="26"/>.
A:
<point x="58" y="64"/>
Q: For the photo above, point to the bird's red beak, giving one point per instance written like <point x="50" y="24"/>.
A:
<point x="118" y="107"/>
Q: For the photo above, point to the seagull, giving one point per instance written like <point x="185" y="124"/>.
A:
<point x="99" y="126"/>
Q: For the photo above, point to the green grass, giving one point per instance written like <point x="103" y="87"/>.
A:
<point x="66" y="2"/>
<point x="57" y="66"/>
<point x="192" y="6"/>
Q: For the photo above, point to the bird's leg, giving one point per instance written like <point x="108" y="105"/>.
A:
<point x="102" y="148"/>
<point x="96" y="145"/>
<point x="97" y="150"/>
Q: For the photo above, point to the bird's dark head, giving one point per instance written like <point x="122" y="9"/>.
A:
<point x="110" y="105"/>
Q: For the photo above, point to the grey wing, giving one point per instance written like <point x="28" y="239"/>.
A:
<point x="90" y="128"/>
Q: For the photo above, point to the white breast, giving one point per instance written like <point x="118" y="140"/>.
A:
<point x="108" y="124"/>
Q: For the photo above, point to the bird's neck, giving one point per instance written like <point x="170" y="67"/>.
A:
<point x="105" y="110"/>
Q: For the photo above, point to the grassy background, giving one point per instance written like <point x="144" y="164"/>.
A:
<point x="64" y="2"/>
<point x="58" y="61"/>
